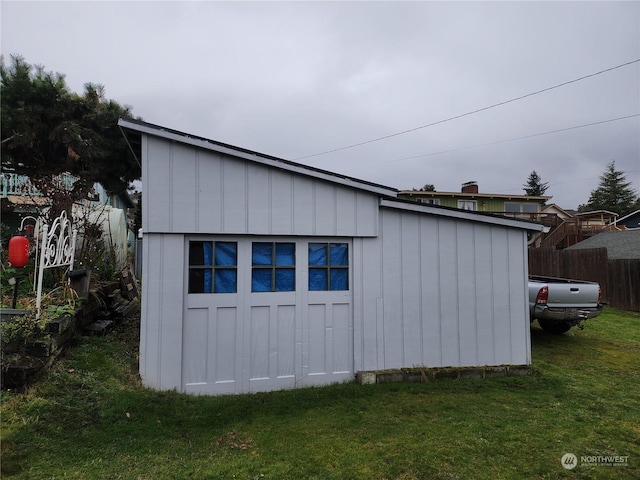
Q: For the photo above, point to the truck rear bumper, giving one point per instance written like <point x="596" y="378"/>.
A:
<point x="574" y="315"/>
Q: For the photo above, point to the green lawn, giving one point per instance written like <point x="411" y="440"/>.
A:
<point x="89" y="418"/>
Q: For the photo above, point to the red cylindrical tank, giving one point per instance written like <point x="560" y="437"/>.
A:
<point x="18" y="251"/>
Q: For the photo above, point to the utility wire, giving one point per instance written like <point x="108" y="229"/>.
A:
<point x="514" y="139"/>
<point x="552" y="184"/>
<point x="469" y="113"/>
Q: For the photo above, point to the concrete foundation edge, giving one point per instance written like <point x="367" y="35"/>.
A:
<point x="425" y="374"/>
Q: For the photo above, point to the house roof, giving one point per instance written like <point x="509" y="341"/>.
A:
<point x="596" y="213"/>
<point x="169" y="134"/>
<point x="624" y="244"/>
<point x="388" y="194"/>
<point x="555" y="206"/>
<point x="627" y="218"/>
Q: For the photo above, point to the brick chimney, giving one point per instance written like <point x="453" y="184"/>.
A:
<point x="470" y="187"/>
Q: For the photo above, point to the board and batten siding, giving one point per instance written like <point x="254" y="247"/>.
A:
<point x="428" y="286"/>
<point x="164" y="276"/>
<point x="197" y="191"/>
<point x="437" y="292"/>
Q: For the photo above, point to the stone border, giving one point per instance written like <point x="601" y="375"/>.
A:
<point x="426" y="374"/>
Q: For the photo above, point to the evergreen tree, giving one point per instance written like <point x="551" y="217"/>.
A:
<point x="48" y="130"/>
<point x="614" y="193"/>
<point x="534" y="186"/>
<point x="426" y="188"/>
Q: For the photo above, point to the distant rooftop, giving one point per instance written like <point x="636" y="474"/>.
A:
<point x="623" y="244"/>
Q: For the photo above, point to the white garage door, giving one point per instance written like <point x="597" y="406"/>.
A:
<point x="266" y="313"/>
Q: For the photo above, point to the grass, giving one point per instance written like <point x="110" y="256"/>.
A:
<point x="89" y="418"/>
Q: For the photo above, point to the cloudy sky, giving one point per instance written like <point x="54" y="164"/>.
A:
<point x="296" y="79"/>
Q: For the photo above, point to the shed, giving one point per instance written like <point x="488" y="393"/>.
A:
<point x="260" y="273"/>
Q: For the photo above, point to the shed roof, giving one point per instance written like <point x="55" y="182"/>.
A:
<point x="169" y="134"/>
<point x="389" y="194"/>
<point x="623" y="244"/>
<point x="481" y="217"/>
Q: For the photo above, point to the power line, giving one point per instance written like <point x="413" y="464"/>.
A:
<point x="469" y="113"/>
<point x="552" y="184"/>
<point x="514" y="139"/>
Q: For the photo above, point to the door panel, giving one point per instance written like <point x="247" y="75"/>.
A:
<point x="209" y="350"/>
<point x="257" y="341"/>
<point x="329" y="336"/>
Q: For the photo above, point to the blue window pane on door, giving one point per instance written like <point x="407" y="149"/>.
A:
<point x="261" y="280"/>
<point x="200" y="280"/>
<point x="226" y="280"/>
<point x="317" y="254"/>
<point x="261" y="253"/>
<point x="285" y="254"/>
<point x="318" y="279"/>
<point x="285" y="280"/>
<point x="226" y="254"/>
<point x="339" y="279"/>
<point x="200" y="253"/>
<point x="339" y="254"/>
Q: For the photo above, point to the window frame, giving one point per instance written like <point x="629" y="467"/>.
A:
<point x="274" y="267"/>
<point x="329" y="267"/>
<point x="521" y="207"/>
<point x="471" y="202"/>
<point x="213" y="268"/>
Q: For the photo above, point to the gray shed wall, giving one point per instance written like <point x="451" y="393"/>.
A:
<point x="192" y="190"/>
<point x="440" y="292"/>
<point x="425" y="289"/>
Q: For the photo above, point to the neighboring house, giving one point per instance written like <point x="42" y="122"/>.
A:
<point x="597" y="220"/>
<point x="469" y="198"/>
<point x="560" y="213"/>
<point x="21" y="199"/>
<point x="19" y="196"/>
<point x="623" y="245"/>
<point x="573" y="227"/>
<point x="262" y="274"/>
<point x="629" y="221"/>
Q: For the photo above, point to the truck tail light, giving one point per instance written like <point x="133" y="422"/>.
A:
<point x="543" y="295"/>
<point x="599" y="294"/>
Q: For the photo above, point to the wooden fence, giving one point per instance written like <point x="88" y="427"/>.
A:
<point x="619" y="279"/>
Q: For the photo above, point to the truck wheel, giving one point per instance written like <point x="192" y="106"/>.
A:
<point x="550" y="326"/>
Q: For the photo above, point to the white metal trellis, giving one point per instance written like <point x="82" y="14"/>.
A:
<point x="57" y="249"/>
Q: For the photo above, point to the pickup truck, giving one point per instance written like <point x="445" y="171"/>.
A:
<point x="560" y="303"/>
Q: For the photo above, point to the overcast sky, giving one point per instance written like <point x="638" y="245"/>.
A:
<point x="294" y="79"/>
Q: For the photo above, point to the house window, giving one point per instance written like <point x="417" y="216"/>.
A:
<point x="430" y="201"/>
<point x="213" y="267"/>
<point x="328" y="266"/>
<point x="511" y="207"/>
<point x="273" y="267"/>
<point x="514" y="207"/>
<point x="467" y="204"/>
